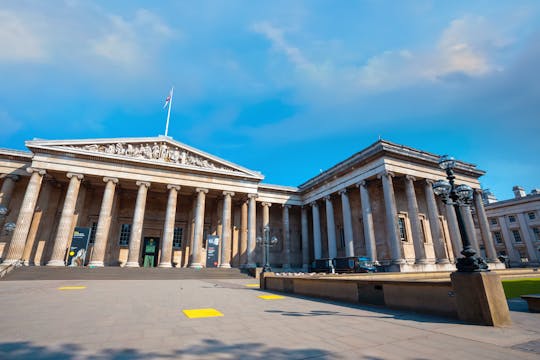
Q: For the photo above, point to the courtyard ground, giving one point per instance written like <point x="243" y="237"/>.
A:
<point x="146" y="319"/>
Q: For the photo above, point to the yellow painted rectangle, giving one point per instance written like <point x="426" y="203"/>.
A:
<point x="72" y="288"/>
<point x="271" y="297"/>
<point x="201" y="313"/>
<point x="252" y="285"/>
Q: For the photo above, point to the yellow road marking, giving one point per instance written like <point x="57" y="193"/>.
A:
<point x="253" y="285"/>
<point x="72" y="288"/>
<point x="201" y="313"/>
<point x="271" y="297"/>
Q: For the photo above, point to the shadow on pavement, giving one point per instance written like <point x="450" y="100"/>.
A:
<point x="207" y="349"/>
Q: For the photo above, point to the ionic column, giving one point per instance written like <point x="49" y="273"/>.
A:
<point x="529" y="242"/>
<point x="226" y="231"/>
<point x="6" y="192"/>
<point x="104" y="223"/>
<point x="317" y="246"/>
<point x="330" y="228"/>
<point x="252" y="224"/>
<point x="265" y="222"/>
<point x="412" y="208"/>
<point x="168" y="228"/>
<point x="286" y="238"/>
<point x="367" y="215"/>
<point x="243" y="233"/>
<point x="305" y="239"/>
<point x="199" y="229"/>
<point x="137" y="227"/>
<point x="391" y="217"/>
<point x="66" y="221"/>
<point x="434" y="224"/>
<point x="347" y="223"/>
<point x="18" y="240"/>
<point x="491" y="253"/>
<point x="453" y="227"/>
<point x="513" y="255"/>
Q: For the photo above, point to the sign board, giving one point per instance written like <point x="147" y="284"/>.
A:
<point x="79" y="244"/>
<point x="212" y="251"/>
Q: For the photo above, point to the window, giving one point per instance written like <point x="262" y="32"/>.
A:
<point x="498" y="237"/>
<point x="342" y="237"/>
<point x="512" y="218"/>
<point x="93" y="233"/>
<point x="177" y="237"/>
<point x="402" y="229"/>
<point x="536" y="232"/>
<point x="531" y="215"/>
<point x="125" y="233"/>
<point x="493" y="221"/>
<point x="517" y="236"/>
<point x="423" y="228"/>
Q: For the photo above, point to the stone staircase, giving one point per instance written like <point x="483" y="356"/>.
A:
<point x="118" y="273"/>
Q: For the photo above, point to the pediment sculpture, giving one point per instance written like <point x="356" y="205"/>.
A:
<point x="161" y="152"/>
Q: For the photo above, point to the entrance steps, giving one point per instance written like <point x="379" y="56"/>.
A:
<point x="118" y="273"/>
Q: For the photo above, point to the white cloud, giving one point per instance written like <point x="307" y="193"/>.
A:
<point x="18" y="40"/>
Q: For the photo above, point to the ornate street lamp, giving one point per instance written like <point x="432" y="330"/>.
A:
<point x="3" y="211"/>
<point x="266" y="242"/>
<point x="9" y="227"/>
<point x="459" y="196"/>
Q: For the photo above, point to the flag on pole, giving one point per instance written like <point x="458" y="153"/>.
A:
<point x="168" y="99"/>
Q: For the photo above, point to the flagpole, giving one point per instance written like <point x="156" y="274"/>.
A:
<point x="169" y="113"/>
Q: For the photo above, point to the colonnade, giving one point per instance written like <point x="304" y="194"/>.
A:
<point x="248" y="221"/>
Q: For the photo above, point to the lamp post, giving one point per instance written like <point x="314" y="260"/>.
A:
<point x="266" y="242"/>
<point x="459" y="196"/>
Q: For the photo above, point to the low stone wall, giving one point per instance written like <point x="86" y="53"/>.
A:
<point x="432" y="297"/>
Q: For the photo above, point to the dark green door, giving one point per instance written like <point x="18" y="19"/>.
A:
<point x="150" y="251"/>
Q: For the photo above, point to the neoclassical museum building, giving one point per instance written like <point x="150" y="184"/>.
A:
<point x="132" y="192"/>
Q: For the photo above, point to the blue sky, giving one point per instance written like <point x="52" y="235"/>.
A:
<point x="283" y="87"/>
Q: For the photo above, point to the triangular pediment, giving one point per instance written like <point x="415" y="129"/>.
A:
<point x="161" y="150"/>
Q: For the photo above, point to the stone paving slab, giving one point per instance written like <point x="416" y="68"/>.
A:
<point x="144" y="319"/>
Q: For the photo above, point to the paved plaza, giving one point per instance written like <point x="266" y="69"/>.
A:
<point x="148" y="319"/>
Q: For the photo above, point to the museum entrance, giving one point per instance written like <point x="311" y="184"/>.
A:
<point x="150" y="251"/>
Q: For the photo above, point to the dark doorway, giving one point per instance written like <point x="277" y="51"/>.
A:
<point x="150" y="251"/>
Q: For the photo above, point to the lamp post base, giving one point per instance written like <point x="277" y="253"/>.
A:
<point x="471" y="264"/>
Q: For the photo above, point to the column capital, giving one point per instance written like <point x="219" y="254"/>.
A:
<point x="203" y="190"/>
<point x="252" y="196"/>
<point x="175" y="187"/>
<point x="478" y="192"/>
<point x="385" y="173"/>
<point x="429" y="182"/>
<point x="106" y="179"/>
<point x="314" y="204"/>
<point x="327" y="198"/>
<point x="35" y="170"/>
<point x="228" y="193"/>
<point x="410" y="178"/>
<point x="286" y="206"/>
<point x="143" y="183"/>
<point x="362" y="183"/>
<point x="78" y="176"/>
<point x="342" y="191"/>
<point x="266" y="203"/>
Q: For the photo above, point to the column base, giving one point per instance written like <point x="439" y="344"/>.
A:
<point x="165" y="265"/>
<point x="305" y="268"/>
<point x="398" y="262"/>
<point x="195" y="266"/>
<point x="421" y="261"/>
<point x="10" y="261"/>
<point x="96" y="264"/>
<point x="251" y="266"/>
<point x="56" y="263"/>
<point x="225" y="266"/>
<point x="28" y="263"/>
<point x="442" y="261"/>
<point x="132" y="264"/>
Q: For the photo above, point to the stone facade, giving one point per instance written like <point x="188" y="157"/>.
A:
<point x="377" y="203"/>
<point x="514" y="225"/>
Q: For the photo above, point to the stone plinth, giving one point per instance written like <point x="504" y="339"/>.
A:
<point x="480" y="298"/>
